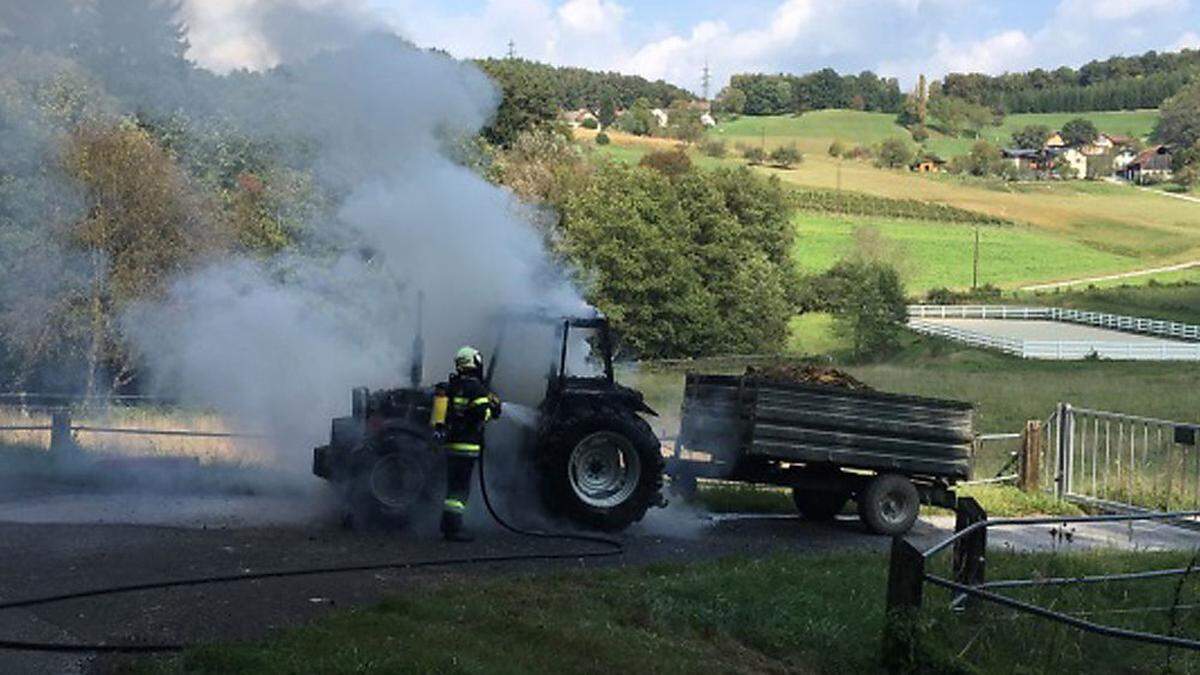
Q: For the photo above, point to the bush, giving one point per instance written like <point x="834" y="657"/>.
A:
<point x="920" y="134"/>
<point x="754" y="155"/>
<point x="602" y="139"/>
<point x="670" y="163"/>
<point x="836" y="149"/>
<point x="894" y="152"/>
<point x="714" y="148"/>
<point x="785" y="156"/>
<point x="590" y="123"/>
<point x="860" y="152"/>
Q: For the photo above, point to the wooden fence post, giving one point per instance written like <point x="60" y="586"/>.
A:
<point x="905" y="591"/>
<point x="1029" y="472"/>
<point x="970" y="552"/>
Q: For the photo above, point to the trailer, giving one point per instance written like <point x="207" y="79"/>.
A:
<point x="889" y="453"/>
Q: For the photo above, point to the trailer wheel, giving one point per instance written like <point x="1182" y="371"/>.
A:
<point x="602" y="469"/>
<point x="819" y="505"/>
<point x="889" y="504"/>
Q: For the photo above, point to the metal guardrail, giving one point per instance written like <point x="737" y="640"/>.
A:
<point x="1061" y="350"/>
<point x="1127" y="324"/>
<point x="907" y="575"/>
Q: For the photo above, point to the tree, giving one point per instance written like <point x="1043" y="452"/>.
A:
<point x="866" y="299"/>
<point x="731" y="101"/>
<point x="1031" y="137"/>
<point x="894" y="152"/>
<point x="528" y="101"/>
<point x="1185" y="166"/>
<point x="1079" y="131"/>
<point x="836" y="148"/>
<point x="608" y="112"/>
<point x="143" y="225"/>
<point x="754" y="155"/>
<point x="639" y="120"/>
<point x="688" y="266"/>
<point x="1179" y="122"/>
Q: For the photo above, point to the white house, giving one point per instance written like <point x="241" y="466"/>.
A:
<point x="1075" y="159"/>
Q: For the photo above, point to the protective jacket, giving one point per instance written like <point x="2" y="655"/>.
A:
<point x="471" y="406"/>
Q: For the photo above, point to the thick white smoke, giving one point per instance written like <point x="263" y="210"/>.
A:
<point x="278" y="344"/>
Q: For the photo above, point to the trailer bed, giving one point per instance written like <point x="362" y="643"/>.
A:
<point x="743" y="422"/>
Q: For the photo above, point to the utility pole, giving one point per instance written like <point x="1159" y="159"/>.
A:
<point x="706" y="79"/>
<point x="975" y="272"/>
<point x="512" y="49"/>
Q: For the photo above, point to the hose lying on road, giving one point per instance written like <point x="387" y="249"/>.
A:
<point x="614" y="548"/>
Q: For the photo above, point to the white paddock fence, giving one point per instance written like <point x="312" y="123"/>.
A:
<point x="1186" y="346"/>
<point x="1126" y="324"/>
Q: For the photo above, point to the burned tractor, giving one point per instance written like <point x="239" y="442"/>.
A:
<point x="595" y="459"/>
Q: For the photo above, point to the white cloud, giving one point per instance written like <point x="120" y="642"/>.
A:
<point x="1117" y="10"/>
<point x="591" y="16"/>
<point x="1189" y="40"/>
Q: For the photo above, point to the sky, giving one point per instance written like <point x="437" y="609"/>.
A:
<point x="674" y="39"/>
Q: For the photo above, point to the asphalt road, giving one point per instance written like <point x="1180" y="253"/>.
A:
<point x="56" y="542"/>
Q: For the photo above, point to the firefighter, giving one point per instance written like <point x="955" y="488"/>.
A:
<point x="467" y="406"/>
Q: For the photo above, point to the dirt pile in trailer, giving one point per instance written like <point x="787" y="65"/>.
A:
<point x="807" y="374"/>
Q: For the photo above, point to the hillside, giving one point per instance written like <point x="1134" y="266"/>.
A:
<point x="1106" y="228"/>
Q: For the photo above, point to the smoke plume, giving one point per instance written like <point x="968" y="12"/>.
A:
<point x="280" y="343"/>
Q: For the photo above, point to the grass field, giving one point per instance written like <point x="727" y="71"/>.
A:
<point x="814" y="131"/>
<point x="787" y="613"/>
<point x="1135" y="123"/>
<point x="1136" y="228"/>
<point x="1178" y="301"/>
<point x="939" y="255"/>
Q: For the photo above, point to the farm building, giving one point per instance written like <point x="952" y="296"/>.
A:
<point x="576" y="117"/>
<point x="1027" y="160"/>
<point x="929" y="164"/>
<point x="1152" y="165"/>
<point x="1054" y="141"/>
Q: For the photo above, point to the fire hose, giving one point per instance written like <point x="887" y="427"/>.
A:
<point x="613" y="548"/>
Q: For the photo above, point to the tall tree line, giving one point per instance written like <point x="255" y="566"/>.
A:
<point x="762" y="94"/>
<point x="1117" y="83"/>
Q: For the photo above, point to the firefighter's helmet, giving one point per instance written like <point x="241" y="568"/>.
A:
<point x="468" y="358"/>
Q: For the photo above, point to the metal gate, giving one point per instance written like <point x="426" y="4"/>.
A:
<point x="1122" y="462"/>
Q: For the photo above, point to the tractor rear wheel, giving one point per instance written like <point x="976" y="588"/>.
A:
<point x="602" y="468"/>
<point x="392" y="478"/>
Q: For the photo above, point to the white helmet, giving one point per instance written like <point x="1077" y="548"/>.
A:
<point x="468" y="358"/>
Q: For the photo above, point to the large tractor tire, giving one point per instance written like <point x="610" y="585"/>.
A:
<point x="392" y="479"/>
<point x="602" y="468"/>
<point x="889" y="504"/>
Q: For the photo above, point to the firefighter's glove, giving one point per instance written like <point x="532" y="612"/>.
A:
<point x="494" y="402"/>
